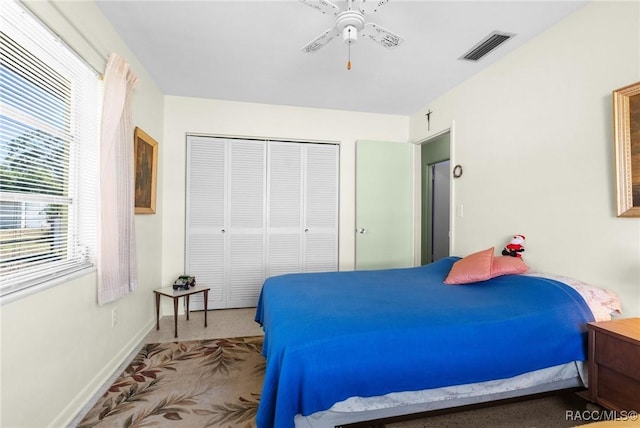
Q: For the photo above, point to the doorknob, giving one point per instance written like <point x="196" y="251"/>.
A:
<point x="362" y="231"/>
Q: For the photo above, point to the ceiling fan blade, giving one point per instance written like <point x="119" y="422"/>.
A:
<point x="371" y="5"/>
<point x="321" y="40"/>
<point x="324" y="6"/>
<point x="381" y="35"/>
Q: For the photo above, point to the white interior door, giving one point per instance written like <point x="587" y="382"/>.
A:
<point x="246" y="219"/>
<point x="321" y="208"/>
<point x="284" y="220"/>
<point x="205" y="221"/>
<point x="225" y="220"/>
<point x="384" y="205"/>
<point x="257" y="209"/>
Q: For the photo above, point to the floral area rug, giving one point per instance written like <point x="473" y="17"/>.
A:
<point x="205" y="383"/>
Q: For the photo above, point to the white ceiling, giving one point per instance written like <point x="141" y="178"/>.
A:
<point x="250" y="50"/>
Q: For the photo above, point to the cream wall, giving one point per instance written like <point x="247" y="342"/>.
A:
<point x="204" y="116"/>
<point x="534" y="136"/>
<point x="58" y="345"/>
<point x="533" y="133"/>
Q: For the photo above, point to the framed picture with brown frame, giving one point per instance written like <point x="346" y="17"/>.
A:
<point x="626" y="136"/>
<point x="145" y="171"/>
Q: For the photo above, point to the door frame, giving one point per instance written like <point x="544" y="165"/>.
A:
<point x="418" y="204"/>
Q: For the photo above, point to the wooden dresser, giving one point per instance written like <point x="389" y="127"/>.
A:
<point x="614" y="364"/>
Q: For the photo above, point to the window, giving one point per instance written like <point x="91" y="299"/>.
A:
<point x="49" y="109"/>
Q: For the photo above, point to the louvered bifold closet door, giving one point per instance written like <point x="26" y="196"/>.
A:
<point x="320" y="249"/>
<point x="256" y="209"/>
<point x="225" y="220"/>
<point x="246" y="204"/>
<point x="285" y="213"/>
<point x="205" y="218"/>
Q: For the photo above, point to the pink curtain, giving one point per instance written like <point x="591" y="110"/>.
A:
<point x="117" y="269"/>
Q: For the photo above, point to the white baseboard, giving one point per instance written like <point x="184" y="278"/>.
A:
<point x="73" y="413"/>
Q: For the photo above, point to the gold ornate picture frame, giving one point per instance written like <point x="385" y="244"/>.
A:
<point x="145" y="171"/>
<point x="626" y="136"/>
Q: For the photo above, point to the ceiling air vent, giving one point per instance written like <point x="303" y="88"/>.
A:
<point x="485" y="46"/>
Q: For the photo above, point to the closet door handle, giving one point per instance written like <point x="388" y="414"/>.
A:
<point x="222" y="230"/>
<point x="306" y="230"/>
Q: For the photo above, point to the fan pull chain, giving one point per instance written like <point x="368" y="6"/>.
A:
<point x="349" y="52"/>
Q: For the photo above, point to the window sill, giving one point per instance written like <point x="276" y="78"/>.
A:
<point x="26" y="292"/>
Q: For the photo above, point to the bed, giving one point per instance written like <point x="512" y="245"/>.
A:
<point x="336" y="341"/>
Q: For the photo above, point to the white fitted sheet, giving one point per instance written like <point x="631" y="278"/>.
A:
<point x="356" y="409"/>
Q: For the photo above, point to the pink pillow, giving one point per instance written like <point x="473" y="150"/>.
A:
<point x="507" y="265"/>
<point x="473" y="268"/>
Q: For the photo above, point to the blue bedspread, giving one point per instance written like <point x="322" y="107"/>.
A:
<point x="330" y="336"/>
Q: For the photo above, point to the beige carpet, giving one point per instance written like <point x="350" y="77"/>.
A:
<point x="206" y="383"/>
<point x="217" y="383"/>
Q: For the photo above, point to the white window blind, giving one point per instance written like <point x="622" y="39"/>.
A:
<point x="49" y="114"/>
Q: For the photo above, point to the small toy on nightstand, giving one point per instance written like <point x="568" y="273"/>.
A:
<point x="184" y="282"/>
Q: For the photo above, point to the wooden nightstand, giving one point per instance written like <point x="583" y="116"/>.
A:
<point x="176" y="294"/>
<point x="614" y="364"/>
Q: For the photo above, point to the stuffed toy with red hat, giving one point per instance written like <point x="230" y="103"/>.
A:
<point x="515" y="247"/>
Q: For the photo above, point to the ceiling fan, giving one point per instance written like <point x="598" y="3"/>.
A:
<point x="351" y="23"/>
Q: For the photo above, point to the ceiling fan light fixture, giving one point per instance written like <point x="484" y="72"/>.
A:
<point x="350" y="22"/>
<point x="350" y="18"/>
<point x="350" y="34"/>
